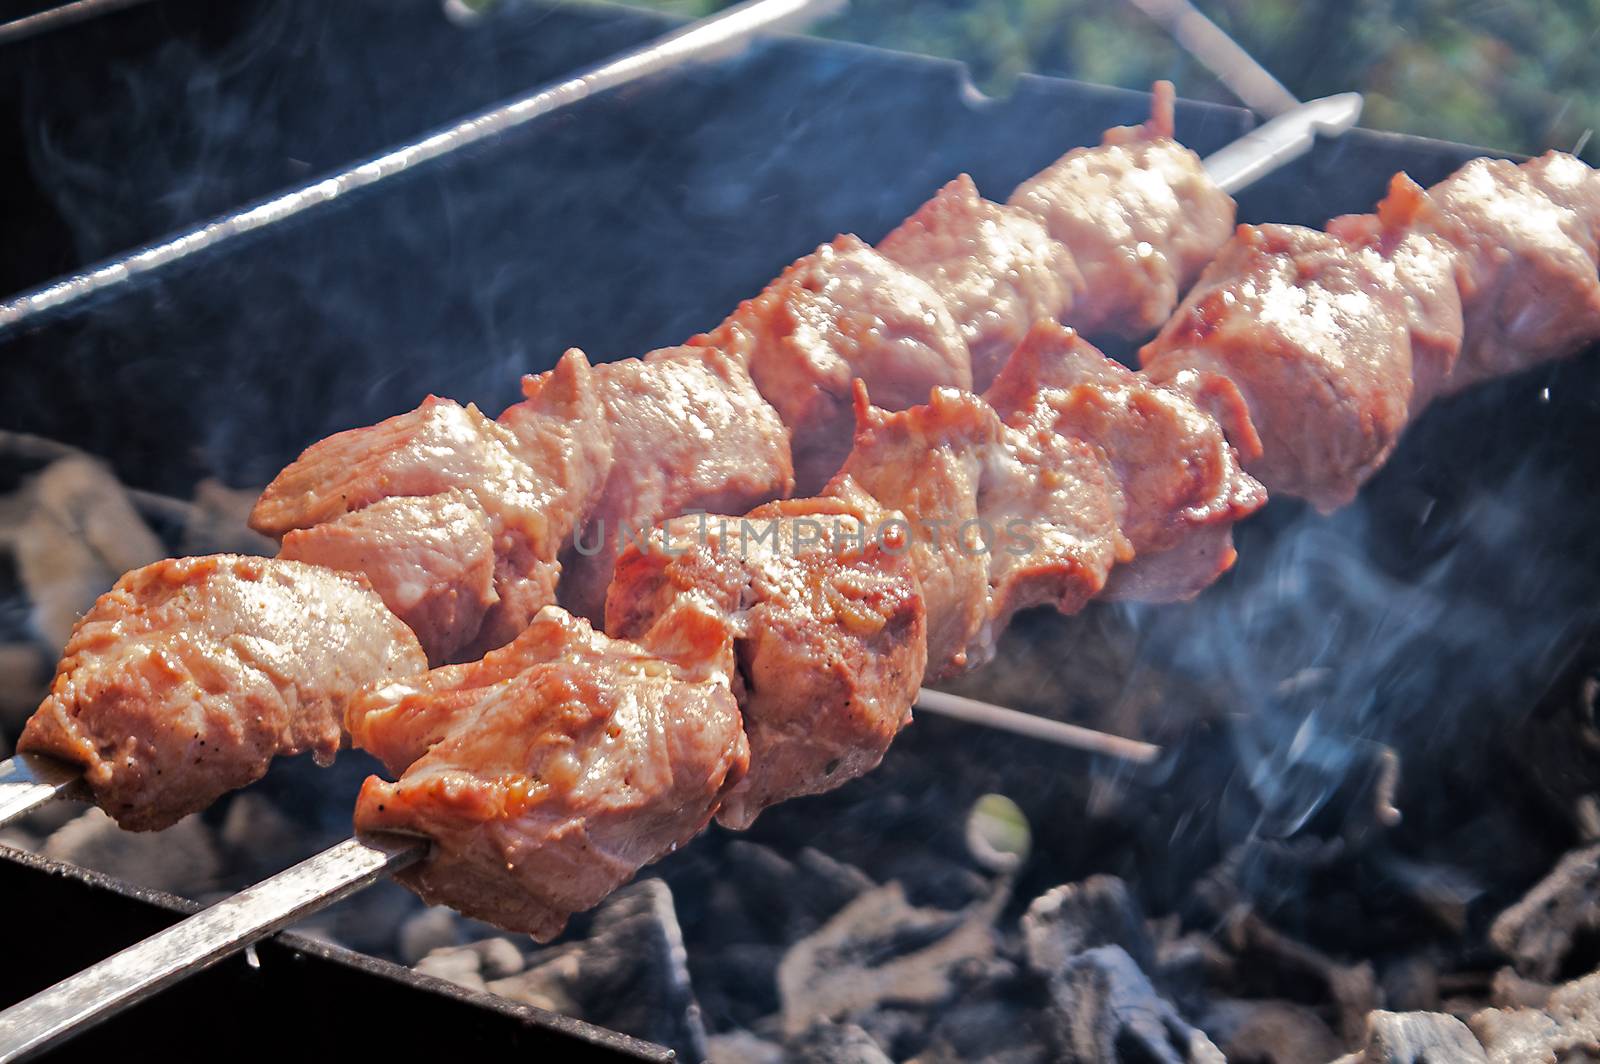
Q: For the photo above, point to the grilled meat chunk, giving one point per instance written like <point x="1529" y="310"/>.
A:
<point x="841" y="313"/>
<point x="532" y="477"/>
<point x="1179" y="485"/>
<point x="828" y="636"/>
<point x="551" y="771"/>
<point x="187" y="678"/>
<point x="1140" y="216"/>
<point x="997" y="268"/>
<point x="1526" y="259"/>
<point x="689" y="432"/>
<point x="431" y="558"/>
<point x="927" y="462"/>
<point x="1315" y="335"/>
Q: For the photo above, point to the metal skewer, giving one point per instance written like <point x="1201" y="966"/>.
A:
<point x="194" y="944"/>
<point x="708" y="38"/>
<point x="1281" y="141"/>
<point x="972" y="711"/>
<point x="29" y="781"/>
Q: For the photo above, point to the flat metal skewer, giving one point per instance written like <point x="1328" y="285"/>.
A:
<point x="1281" y="141"/>
<point x="194" y="944"/>
<point x="972" y="711"/>
<point x="28" y="781"/>
<point x="708" y="38"/>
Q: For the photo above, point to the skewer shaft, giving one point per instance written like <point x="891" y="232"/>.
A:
<point x="707" y="38"/>
<point x="28" y="781"/>
<point x="1282" y="140"/>
<point x="971" y="711"/>
<point x="141" y="970"/>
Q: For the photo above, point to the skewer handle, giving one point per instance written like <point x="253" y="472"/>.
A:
<point x="971" y="711"/>
<point x="1282" y="140"/>
<point x="28" y="781"/>
<point x="142" y="970"/>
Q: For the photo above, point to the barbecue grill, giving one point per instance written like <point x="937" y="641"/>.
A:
<point x="459" y="275"/>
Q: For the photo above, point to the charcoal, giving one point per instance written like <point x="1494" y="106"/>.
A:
<point x="1352" y="987"/>
<point x="999" y="1027"/>
<point x="18" y="839"/>
<point x="372" y="920"/>
<point x="80" y="534"/>
<point x="24" y="674"/>
<point x="742" y="1047"/>
<point x="1418" y="1038"/>
<point x="460" y="965"/>
<point x="1511" y="991"/>
<point x="431" y="929"/>
<point x="258" y="838"/>
<point x="1099" y="911"/>
<point x="1103" y="1009"/>
<point x="1411" y="984"/>
<point x="629" y="975"/>
<point x="1539" y="932"/>
<point x="218" y="522"/>
<point x="1269" y="1032"/>
<point x="181" y="859"/>
<point x="791" y="898"/>
<point x="879" y="949"/>
<point x="1566" y="1029"/>
<point x="829" y="1043"/>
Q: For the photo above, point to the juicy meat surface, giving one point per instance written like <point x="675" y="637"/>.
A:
<point x="841" y="313"/>
<point x="531" y="475"/>
<point x="1179" y="485"/>
<point x="828" y="637"/>
<point x="1315" y="336"/>
<point x="189" y="676"/>
<point x="1425" y="274"/>
<point x="431" y="558"/>
<point x="1141" y="219"/>
<point x="689" y="431"/>
<point x="927" y="463"/>
<point x="1525" y="239"/>
<point x="548" y="773"/>
<point x="997" y="268"/>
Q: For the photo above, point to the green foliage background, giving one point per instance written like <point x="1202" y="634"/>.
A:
<point x="1519" y="75"/>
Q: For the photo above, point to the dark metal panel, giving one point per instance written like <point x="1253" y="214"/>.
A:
<point x="304" y="999"/>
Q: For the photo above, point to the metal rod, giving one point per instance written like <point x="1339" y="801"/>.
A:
<point x="57" y="17"/>
<point x="101" y="991"/>
<point x="1282" y="140"/>
<point x="708" y="38"/>
<point x="971" y="711"/>
<point x="28" y="781"/>
<point x="1236" y="68"/>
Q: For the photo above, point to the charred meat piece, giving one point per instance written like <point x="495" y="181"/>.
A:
<point x="1316" y="337"/>
<point x="431" y="558"/>
<point x="827" y="627"/>
<point x="927" y="463"/>
<point x="1179" y="485"/>
<point x="1525" y="240"/>
<point x="532" y="477"/>
<point x="841" y="313"/>
<point x="186" y="679"/>
<point x="997" y="268"/>
<point x="689" y="432"/>
<point x="551" y="771"/>
<point x="1140" y="216"/>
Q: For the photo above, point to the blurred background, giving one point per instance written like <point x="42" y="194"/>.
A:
<point x="1507" y="74"/>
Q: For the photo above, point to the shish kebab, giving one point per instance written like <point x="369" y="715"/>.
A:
<point x="30" y="779"/>
<point x="1363" y="325"/>
<point x="459" y="523"/>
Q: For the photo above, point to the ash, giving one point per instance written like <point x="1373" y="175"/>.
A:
<point x="1374" y="835"/>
